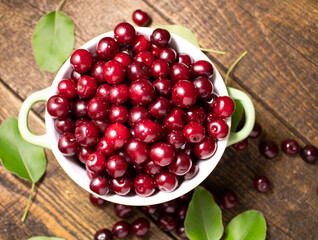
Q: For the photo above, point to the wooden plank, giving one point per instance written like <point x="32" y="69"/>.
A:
<point x="60" y="208"/>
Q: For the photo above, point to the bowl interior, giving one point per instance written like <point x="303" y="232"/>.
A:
<point x="77" y="171"/>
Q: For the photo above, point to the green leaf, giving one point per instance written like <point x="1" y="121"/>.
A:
<point x="17" y="155"/>
<point x="183" y="32"/>
<point x="45" y="238"/>
<point x="53" y="40"/>
<point x="204" y="218"/>
<point x="249" y="225"/>
<point x="237" y="115"/>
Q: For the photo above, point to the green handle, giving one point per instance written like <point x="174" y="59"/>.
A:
<point x="249" y="116"/>
<point x="43" y="140"/>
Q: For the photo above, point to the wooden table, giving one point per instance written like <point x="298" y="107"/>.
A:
<point x="279" y="73"/>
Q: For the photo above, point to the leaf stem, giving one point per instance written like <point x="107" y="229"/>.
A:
<point x="212" y="51"/>
<point x="28" y="204"/>
<point x="233" y="66"/>
<point x="60" y="5"/>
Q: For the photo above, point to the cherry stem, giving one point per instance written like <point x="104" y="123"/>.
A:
<point x="212" y="51"/>
<point x="28" y="204"/>
<point x="233" y="66"/>
<point x="60" y="5"/>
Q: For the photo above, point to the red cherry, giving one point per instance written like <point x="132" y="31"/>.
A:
<point x="117" y="135"/>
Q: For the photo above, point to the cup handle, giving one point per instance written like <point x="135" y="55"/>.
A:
<point x="248" y="106"/>
<point x="42" y="140"/>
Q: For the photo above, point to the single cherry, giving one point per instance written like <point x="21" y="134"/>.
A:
<point x="241" y="145"/>
<point x="229" y="199"/>
<point x="204" y="87"/>
<point x="123" y="58"/>
<point x="63" y="125"/>
<point x="162" y="154"/>
<point x="67" y="144"/>
<point x="124" y="33"/>
<point x="97" y="71"/>
<point x="118" y="113"/>
<point x="121" y="229"/>
<point x="123" y="211"/>
<point x="140" y="17"/>
<point x="103" y="147"/>
<point x="159" y="107"/>
<point x="269" y="149"/>
<point x="145" y="57"/>
<point x="167" y="222"/>
<point x="196" y="114"/>
<point x="223" y="107"/>
<point x="116" y="166"/>
<point x="261" y="184"/>
<point x="181" y="164"/>
<point x="138" y="70"/>
<point x="175" y="120"/>
<point x="118" y="94"/>
<point x="96" y="162"/>
<point x="179" y="71"/>
<point x="106" y="48"/>
<point x="166" y="181"/>
<point x="309" y="153"/>
<point x="114" y="72"/>
<point x="144" y="185"/>
<point x="99" y="185"/>
<point x="141" y="44"/>
<point x="185" y="59"/>
<point x="137" y="151"/>
<point x="117" y="135"/>
<point x="58" y="106"/>
<point x="103" y="234"/>
<point x="140" y="227"/>
<point x="194" y="132"/>
<point x="86" y="86"/>
<point x="147" y="131"/>
<point x="163" y="86"/>
<point x="218" y="129"/>
<point x="97" y="201"/>
<point x="141" y="92"/>
<point x="160" y="68"/>
<point x="121" y="186"/>
<point x="137" y="113"/>
<point x="87" y="134"/>
<point x="290" y="146"/>
<point x="176" y="139"/>
<point x="81" y="61"/>
<point x="202" y="68"/>
<point x="184" y="94"/>
<point x="67" y="88"/>
<point x="97" y="109"/>
<point x="160" y="37"/>
<point x="205" y="149"/>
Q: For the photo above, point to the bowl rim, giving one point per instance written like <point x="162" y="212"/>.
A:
<point x="70" y="164"/>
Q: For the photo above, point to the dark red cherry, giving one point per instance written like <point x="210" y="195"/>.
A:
<point x="67" y="144"/>
<point x="269" y="149"/>
<point x="160" y="37"/>
<point x="192" y="172"/>
<point x="99" y="185"/>
<point x="205" y="149"/>
<point x="147" y="131"/>
<point x="162" y="154"/>
<point x="96" y="162"/>
<point x="141" y="18"/>
<point x="167" y="222"/>
<point x="138" y="70"/>
<point x="128" y="50"/>
<point x="121" y="229"/>
<point x="140" y="227"/>
<point x="185" y="59"/>
<point x="106" y="48"/>
<point x="163" y="86"/>
<point x="261" y="184"/>
<point x="290" y="146"/>
<point x="140" y="44"/>
<point x="241" y="145"/>
<point x="187" y="148"/>
<point x="175" y="120"/>
<point x="223" y="107"/>
<point x="144" y="185"/>
<point x="103" y="147"/>
<point x="67" y="88"/>
<point x="75" y="76"/>
<point x="63" y="125"/>
<point x="123" y="211"/>
<point x="151" y="168"/>
<point x="124" y="33"/>
<point x="170" y="207"/>
<point x="181" y="164"/>
<point x="309" y="153"/>
<point x="116" y="166"/>
<point x="83" y="153"/>
<point x="97" y="201"/>
<point x="103" y="234"/>
<point x="137" y="151"/>
<point x="117" y="135"/>
<point x="81" y="61"/>
<point x="118" y="94"/>
<point x="159" y="107"/>
<point x="90" y="173"/>
<point x="155" y="49"/>
<point x="121" y="186"/>
<point x="204" y="87"/>
<point x="166" y="181"/>
<point x="160" y="68"/>
<point x="196" y="114"/>
<point x="194" y="132"/>
<point x="114" y="72"/>
<point x="123" y="58"/>
<point x="202" y="68"/>
<point x="118" y="113"/>
<point x="58" y="106"/>
<point x="97" y="71"/>
<point x="168" y="54"/>
<point x="152" y="209"/>
<point x="209" y="102"/>
<point x="179" y="71"/>
<point x="102" y="125"/>
<point x="257" y="130"/>
<point x="181" y="231"/>
<point x="176" y="139"/>
<point x="87" y="134"/>
<point x="97" y="109"/>
<point x="218" y="129"/>
<point x="103" y="92"/>
<point x="184" y="94"/>
<point x="79" y="108"/>
<point x="137" y="113"/>
<point x="141" y="92"/>
<point x="86" y="87"/>
<point x="228" y="199"/>
<point x="145" y="57"/>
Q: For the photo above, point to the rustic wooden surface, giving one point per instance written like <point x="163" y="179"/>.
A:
<point x="279" y="73"/>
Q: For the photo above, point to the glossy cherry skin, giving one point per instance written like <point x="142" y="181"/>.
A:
<point x="97" y="109"/>
<point x="63" y="125"/>
<point x="106" y="48"/>
<point x="114" y="72"/>
<point x="145" y="57"/>
<point x="97" y="201"/>
<point x="87" y="134"/>
<point x="118" y="113"/>
<point x="79" y="108"/>
<point x="116" y="166"/>
<point x="75" y="76"/>
<point x="140" y="227"/>
<point x="257" y="130"/>
<point x="290" y="146"/>
<point x="103" y="91"/>
<point x="175" y="120"/>
<point x="152" y="209"/>
<point x="127" y="50"/>
<point x="67" y="144"/>
<point x="196" y="114"/>
<point x="202" y="68"/>
<point x="121" y="229"/>
<point x="103" y="234"/>
<point x="194" y="132"/>
<point x="121" y="186"/>
<point x="209" y="102"/>
<point x="162" y="154"/>
<point x="144" y="185"/>
<point x="124" y="33"/>
<point x="179" y="71"/>
<point x="168" y="54"/>
<point x="81" y="61"/>
<point x="160" y="37"/>
<point x="269" y="149"/>
<point x="123" y="211"/>
<point x="181" y="231"/>
<point x="141" y="92"/>
<point x="184" y="94"/>
<point x="187" y="148"/>
<point x="205" y="149"/>
<point x="241" y="145"/>
<point x="97" y="71"/>
<point x="102" y="125"/>
<point x="147" y="131"/>
<point x="83" y="153"/>
<point x="118" y="94"/>
<point x="185" y="59"/>
<point x="137" y="151"/>
<point x="90" y="173"/>
<point x="181" y="164"/>
<point x="223" y="107"/>
<point x="58" y="106"/>
<point x="140" y="17"/>
<point x="137" y="113"/>
<point x="138" y="70"/>
<point x="96" y="162"/>
<point x="218" y="129"/>
<point x="167" y="222"/>
<point x="103" y="147"/>
<point x="159" y="107"/>
<point x="182" y="211"/>
<point x="86" y="87"/>
<point x="309" y="153"/>
<point x="67" y="88"/>
<point x="123" y="58"/>
<point x="192" y="172"/>
<point x="151" y="168"/>
<point x="176" y="139"/>
<point x="155" y="50"/>
<point x="163" y="86"/>
<point x="261" y="184"/>
<point x="160" y="68"/>
<point x="170" y="207"/>
<point x="99" y="185"/>
<point x="117" y="135"/>
<point x="204" y="87"/>
<point x="140" y="44"/>
<point x="228" y="199"/>
<point x="166" y="181"/>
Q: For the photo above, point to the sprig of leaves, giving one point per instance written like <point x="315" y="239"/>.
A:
<point x="204" y="221"/>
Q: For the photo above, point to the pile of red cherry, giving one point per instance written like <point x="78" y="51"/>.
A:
<point x="138" y="114"/>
